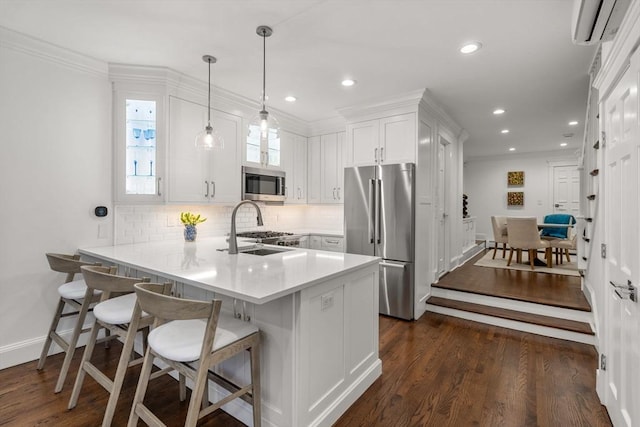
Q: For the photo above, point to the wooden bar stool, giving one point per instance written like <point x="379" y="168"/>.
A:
<point x="114" y="313"/>
<point x="74" y="294"/>
<point x="180" y="336"/>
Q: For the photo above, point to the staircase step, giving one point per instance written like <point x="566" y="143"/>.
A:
<point x="535" y="319"/>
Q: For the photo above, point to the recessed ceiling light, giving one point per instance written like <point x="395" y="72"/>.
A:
<point x="573" y="123"/>
<point x="498" y="111"/>
<point x="504" y="131"/>
<point x="563" y="144"/>
<point x="290" y="98"/>
<point x="512" y="149"/>
<point x="348" y="82"/>
<point x="470" y="47"/>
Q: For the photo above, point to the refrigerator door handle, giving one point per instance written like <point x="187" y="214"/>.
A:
<point x="388" y="264"/>
<point x="378" y="208"/>
<point x="372" y="213"/>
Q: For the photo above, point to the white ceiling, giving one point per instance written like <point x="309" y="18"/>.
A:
<point x="527" y="66"/>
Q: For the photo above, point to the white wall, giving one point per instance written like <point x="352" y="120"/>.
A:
<point x="485" y="183"/>
<point x="55" y="167"/>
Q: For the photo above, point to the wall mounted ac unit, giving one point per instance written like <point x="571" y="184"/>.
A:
<point x="596" y="20"/>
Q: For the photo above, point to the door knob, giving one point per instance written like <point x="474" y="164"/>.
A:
<point x="557" y="205"/>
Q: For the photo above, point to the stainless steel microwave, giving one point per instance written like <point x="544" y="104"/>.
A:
<point x="263" y="185"/>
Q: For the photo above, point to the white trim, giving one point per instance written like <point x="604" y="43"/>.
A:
<point x="516" y="325"/>
<point x="49" y="52"/>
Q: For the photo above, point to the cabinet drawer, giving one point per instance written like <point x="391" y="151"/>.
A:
<point x="315" y="242"/>
<point x="335" y="244"/>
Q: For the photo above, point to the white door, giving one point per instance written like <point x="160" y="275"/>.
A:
<point x="300" y="168"/>
<point x="441" y="212"/>
<point x="622" y="316"/>
<point x="287" y="162"/>
<point x="566" y="190"/>
<point x="329" y="168"/>
<point x="225" y="163"/>
<point x="314" y="184"/>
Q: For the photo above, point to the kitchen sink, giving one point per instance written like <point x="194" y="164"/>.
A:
<point x="261" y="251"/>
<point x="258" y="250"/>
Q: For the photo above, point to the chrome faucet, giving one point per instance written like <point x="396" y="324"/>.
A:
<point x="233" y="241"/>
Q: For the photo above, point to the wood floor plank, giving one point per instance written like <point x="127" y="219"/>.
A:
<point x="540" y="288"/>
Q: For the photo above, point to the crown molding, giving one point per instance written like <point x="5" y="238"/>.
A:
<point x="429" y="103"/>
<point x="41" y="49"/>
<point x="406" y="102"/>
<point x="555" y="155"/>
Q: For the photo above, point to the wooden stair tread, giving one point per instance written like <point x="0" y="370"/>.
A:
<point x="536" y="319"/>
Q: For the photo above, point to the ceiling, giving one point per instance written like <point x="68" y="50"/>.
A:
<point x="527" y="64"/>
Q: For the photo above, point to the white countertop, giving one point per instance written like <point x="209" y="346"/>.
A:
<point x="252" y="278"/>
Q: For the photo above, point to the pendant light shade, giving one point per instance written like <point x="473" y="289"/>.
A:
<point x="209" y="139"/>
<point x="264" y="127"/>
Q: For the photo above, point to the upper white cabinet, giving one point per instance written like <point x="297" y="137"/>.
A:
<point x="196" y="175"/>
<point x="332" y="167"/>
<point x="293" y="156"/>
<point x="262" y="152"/>
<point x="382" y="141"/>
<point x="326" y="168"/>
<point x="140" y="140"/>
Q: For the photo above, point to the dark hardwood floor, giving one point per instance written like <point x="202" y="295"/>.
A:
<point x="443" y="371"/>
<point x="437" y="371"/>
<point x="542" y="288"/>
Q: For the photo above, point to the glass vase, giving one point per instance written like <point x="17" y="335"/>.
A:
<point x="190" y="233"/>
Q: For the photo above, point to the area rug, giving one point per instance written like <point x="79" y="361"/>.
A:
<point x="567" y="268"/>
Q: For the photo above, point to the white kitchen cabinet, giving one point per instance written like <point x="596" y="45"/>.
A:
<point x="468" y="233"/>
<point x="315" y="242"/>
<point x="314" y="175"/>
<point x="382" y="141"/>
<point x="197" y="175"/>
<point x="261" y="152"/>
<point x="140" y="139"/>
<point x="326" y="168"/>
<point x="333" y="244"/>
<point x="332" y="167"/>
<point x="294" y="162"/>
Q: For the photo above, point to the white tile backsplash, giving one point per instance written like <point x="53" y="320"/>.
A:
<point x="134" y="224"/>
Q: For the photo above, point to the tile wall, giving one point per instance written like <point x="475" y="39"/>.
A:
<point x="135" y="224"/>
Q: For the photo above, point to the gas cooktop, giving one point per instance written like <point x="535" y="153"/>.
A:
<point x="263" y="234"/>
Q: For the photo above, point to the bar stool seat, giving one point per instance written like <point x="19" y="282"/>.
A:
<point x="74" y="290"/>
<point x="116" y="311"/>
<point x="181" y="340"/>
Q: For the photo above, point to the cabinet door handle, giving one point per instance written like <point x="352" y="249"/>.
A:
<point x="286" y="191"/>
<point x="299" y="195"/>
<point x="158" y="184"/>
<point x="338" y="193"/>
<point x="206" y="194"/>
<point x="381" y="154"/>
<point x="334" y="193"/>
<point x="266" y="156"/>
<point x="375" y="154"/>
<point x="213" y="189"/>
<point x="333" y="242"/>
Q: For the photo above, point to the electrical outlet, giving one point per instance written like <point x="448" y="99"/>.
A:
<point x="326" y="301"/>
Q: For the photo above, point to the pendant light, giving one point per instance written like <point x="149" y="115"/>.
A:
<point x="209" y="139"/>
<point x="264" y="126"/>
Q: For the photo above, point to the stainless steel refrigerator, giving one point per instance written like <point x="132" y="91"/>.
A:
<point x="379" y="210"/>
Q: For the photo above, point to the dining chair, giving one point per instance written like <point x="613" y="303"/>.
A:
<point x="73" y="293"/>
<point x="114" y="313"/>
<point x="523" y="234"/>
<point x="499" y="224"/>
<point x="554" y="232"/>
<point x="563" y="246"/>
<point x="188" y="333"/>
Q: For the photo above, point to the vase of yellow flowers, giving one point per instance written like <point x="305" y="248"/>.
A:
<point x="190" y="221"/>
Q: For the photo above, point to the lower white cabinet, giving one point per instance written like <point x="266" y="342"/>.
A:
<point x="326" y="243"/>
<point x="468" y="233"/>
<point x="196" y="175"/>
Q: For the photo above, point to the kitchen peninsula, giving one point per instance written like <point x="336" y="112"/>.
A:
<point x="317" y="312"/>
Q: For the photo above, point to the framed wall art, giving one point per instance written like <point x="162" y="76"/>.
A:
<point x="515" y="198"/>
<point x="515" y="178"/>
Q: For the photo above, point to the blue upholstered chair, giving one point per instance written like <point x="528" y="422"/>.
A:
<point x="557" y="233"/>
